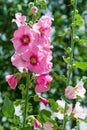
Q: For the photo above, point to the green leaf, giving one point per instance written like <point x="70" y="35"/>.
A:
<point x="26" y="128"/>
<point x="8" y="107"/>
<point x="53" y="104"/>
<point x="44" y="116"/>
<point x="60" y="77"/>
<point x="83" y="40"/>
<point x="81" y="65"/>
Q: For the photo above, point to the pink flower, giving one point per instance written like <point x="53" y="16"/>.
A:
<point x="19" y="63"/>
<point x="34" y="9"/>
<point x="48" y="126"/>
<point x="23" y="38"/>
<point x="60" y="113"/>
<point x="42" y="83"/>
<point x="43" y="27"/>
<point x="20" y="20"/>
<point x="37" y="124"/>
<point x="44" y="101"/>
<point x="80" y="90"/>
<point x="12" y="81"/>
<point x="37" y="61"/>
<point x="78" y="111"/>
<point x="70" y="92"/>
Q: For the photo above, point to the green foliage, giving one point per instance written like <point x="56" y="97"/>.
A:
<point x="44" y="116"/>
<point x="8" y="107"/>
<point x="81" y="65"/>
<point x="53" y="105"/>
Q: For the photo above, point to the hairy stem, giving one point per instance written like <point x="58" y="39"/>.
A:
<point x="69" y="75"/>
<point x="26" y="100"/>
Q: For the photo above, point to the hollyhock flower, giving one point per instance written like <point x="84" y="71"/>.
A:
<point x="37" y="61"/>
<point x="60" y="113"/>
<point x="80" y="90"/>
<point x="12" y="81"/>
<point x="37" y="124"/>
<point x="20" y="20"/>
<point x="19" y="63"/>
<point x="23" y="38"/>
<point x="34" y="9"/>
<point x="70" y="92"/>
<point x="78" y="111"/>
<point x="48" y="126"/>
<point x="42" y="83"/>
<point x="44" y="101"/>
<point x="43" y="27"/>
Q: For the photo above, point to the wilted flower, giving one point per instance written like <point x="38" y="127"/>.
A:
<point x="20" y="20"/>
<point x="44" y="101"/>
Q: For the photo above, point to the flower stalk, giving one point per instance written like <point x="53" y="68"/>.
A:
<point x="26" y="100"/>
<point x="69" y="75"/>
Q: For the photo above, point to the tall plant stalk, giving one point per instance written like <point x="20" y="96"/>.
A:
<point x="26" y="100"/>
<point x="69" y="75"/>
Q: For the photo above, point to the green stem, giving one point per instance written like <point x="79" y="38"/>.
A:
<point x="26" y="101"/>
<point x="69" y="76"/>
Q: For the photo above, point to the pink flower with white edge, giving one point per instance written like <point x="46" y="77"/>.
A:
<point x="48" y="126"/>
<point x="70" y="92"/>
<point x="12" y="81"/>
<point x="80" y="90"/>
<point x="20" y="20"/>
<point x="60" y="113"/>
<point x="34" y="9"/>
<point x="43" y="27"/>
<point x="37" y="61"/>
<point x="78" y="111"/>
<point x="23" y="38"/>
<point x="19" y="63"/>
<point x="44" y="101"/>
<point x="37" y="124"/>
<point x="42" y="83"/>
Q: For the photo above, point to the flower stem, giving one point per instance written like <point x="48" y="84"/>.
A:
<point x="69" y="75"/>
<point x="26" y="101"/>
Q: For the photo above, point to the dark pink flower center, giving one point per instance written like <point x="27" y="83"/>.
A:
<point x="25" y="39"/>
<point x="41" y="30"/>
<point x="33" y="60"/>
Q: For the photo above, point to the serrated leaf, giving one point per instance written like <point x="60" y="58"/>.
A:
<point x="54" y="105"/>
<point x="81" y="65"/>
<point x="8" y="107"/>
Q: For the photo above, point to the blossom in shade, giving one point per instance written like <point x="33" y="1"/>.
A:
<point x="34" y="9"/>
<point x="20" y="20"/>
<point x="42" y="83"/>
<point x="80" y="90"/>
<point x="48" y="126"/>
<point x="37" y="124"/>
<point x="23" y="38"/>
<point x="78" y="111"/>
<point x="12" y="81"/>
<point x="43" y="27"/>
<point x="37" y="61"/>
<point x="70" y="92"/>
<point x="19" y="63"/>
<point x="44" y="101"/>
